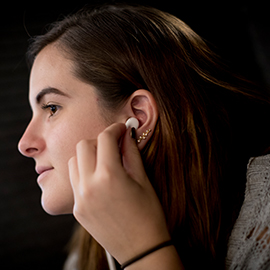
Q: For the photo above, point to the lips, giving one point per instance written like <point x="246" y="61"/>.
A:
<point x="42" y="169"/>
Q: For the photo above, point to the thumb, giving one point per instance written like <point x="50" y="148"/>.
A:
<point x="131" y="158"/>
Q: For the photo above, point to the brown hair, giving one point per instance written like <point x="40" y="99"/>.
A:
<point x="122" y="48"/>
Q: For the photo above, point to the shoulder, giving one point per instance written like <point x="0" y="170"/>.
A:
<point x="258" y="184"/>
<point x="249" y="243"/>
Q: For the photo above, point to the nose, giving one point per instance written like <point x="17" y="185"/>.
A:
<point x="31" y="142"/>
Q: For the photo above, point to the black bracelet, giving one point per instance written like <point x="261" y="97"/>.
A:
<point x="135" y="259"/>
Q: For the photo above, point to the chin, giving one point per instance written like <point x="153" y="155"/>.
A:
<point x="55" y="206"/>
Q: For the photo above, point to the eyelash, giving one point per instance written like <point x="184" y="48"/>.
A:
<point x="53" y="109"/>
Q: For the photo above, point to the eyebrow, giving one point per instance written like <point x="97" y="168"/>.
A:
<point x="47" y="91"/>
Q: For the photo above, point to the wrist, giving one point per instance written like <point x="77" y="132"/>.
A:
<point x="140" y="242"/>
<point x="146" y="253"/>
<point x="165" y="258"/>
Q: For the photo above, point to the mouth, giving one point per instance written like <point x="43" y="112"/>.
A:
<point x="43" y="172"/>
<point x="42" y="169"/>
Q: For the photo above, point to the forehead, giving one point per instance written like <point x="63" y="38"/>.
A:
<point x="50" y="69"/>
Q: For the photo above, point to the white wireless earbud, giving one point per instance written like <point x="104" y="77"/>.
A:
<point x="132" y="122"/>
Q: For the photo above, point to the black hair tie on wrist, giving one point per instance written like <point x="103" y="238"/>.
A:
<point x="135" y="259"/>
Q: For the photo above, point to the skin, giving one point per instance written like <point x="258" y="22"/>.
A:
<point x="53" y="133"/>
<point x="85" y="170"/>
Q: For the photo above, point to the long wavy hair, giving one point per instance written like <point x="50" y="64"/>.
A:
<point x="197" y="156"/>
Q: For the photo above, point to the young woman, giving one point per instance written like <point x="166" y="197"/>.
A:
<point x="183" y="176"/>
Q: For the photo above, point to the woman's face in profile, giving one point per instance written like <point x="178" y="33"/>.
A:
<point x="65" y="111"/>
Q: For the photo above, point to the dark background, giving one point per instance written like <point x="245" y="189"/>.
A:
<point x="30" y="238"/>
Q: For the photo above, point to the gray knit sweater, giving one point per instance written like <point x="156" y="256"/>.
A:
<point x="249" y="243"/>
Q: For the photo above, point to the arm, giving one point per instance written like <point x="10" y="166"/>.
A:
<point x="116" y="203"/>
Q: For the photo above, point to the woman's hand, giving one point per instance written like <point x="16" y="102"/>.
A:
<point x="114" y="200"/>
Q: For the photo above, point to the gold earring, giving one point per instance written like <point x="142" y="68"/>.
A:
<point x="144" y="135"/>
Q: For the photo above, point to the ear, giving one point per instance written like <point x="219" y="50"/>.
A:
<point x="142" y="105"/>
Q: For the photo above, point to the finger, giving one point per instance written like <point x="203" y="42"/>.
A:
<point x="86" y="158"/>
<point x="131" y="157"/>
<point x="73" y="172"/>
<point x="108" y="152"/>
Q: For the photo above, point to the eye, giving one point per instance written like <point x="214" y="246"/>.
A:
<point x="53" y="109"/>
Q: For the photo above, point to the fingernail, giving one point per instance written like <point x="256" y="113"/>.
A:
<point x="133" y="133"/>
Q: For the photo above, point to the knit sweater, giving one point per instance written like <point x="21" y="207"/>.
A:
<point x="249" y="243"/>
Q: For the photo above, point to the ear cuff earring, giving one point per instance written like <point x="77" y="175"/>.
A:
<point x="144" y="135"/>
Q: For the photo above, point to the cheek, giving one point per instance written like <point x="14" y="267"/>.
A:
<point x="63" y="139"/>
<point x="61" y="143"/>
